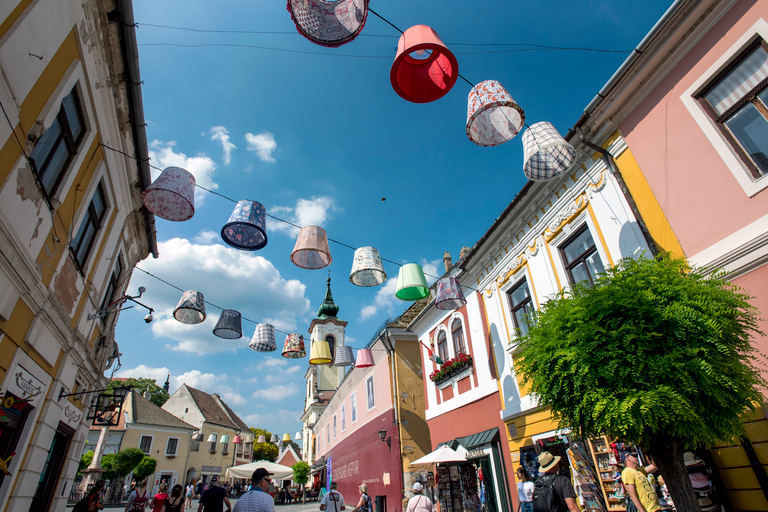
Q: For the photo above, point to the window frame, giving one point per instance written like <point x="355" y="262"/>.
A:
<point x="442" y="353"/>
<point x="90" y="217"/>
<point x="581" y="258"/>
<point x="513" y="308"/>
<point x="456" y="349"/>
<point x="212" y="448"/>
<point x="751" y="97"/>
<point x="73" y="144"/>
<point x="141" y="441"/>
<point x="113" y="283"/>
<point x="331" y="345"/>
<point x="175" y="448"/>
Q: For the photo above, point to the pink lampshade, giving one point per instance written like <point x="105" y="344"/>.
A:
<point x="172" y="195"/>
<point x="424" y="69"/>
<point x="237" y="439"/>
<point x="311" y="250"/>
<point x="364" y="358"/>
<point x="493" y="117"/>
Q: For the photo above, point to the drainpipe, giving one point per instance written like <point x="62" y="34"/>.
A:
<point x="608" y="158"/>
<point x="390" y="348"/>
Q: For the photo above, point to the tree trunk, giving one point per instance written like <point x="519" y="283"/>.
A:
<point x="668" y="457"/>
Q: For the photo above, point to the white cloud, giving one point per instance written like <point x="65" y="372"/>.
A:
<point x="278" y="392"/>
<point x="307" y="212"/>
<point x="269" y="418"/>
<point x="226" y="277"/>
<point x="263" y="144"/>
<point x="206" y="237"/>
<point x="161" y="154"/>
<point x="385" y="300"/>
<point x="220" y="134"/>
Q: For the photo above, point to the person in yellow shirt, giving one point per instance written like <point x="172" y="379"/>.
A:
<point x="638" y="489"/>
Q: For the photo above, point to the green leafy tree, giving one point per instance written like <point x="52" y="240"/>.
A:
<point x="158" y="395"/>
<point x="125" y="461"/>
<point x="263" y="451"/>
<point x="108" y="465"/>
<point x="300" y="475"/>
<point x="144" y="468"/>
<point x="85" y="461"/>
<point x="656" y="353"/>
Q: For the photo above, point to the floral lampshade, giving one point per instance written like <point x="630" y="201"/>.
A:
<point x="344" y="356"/>
<point x="229" y="325"/>
<point x="364" y="358"/>
<point x="311" y="250"/>
<point x="411" y="283"/>
<point x="191" y="308"/>
<point x="320" y="353"/>
<point x="327" y="22"/>
<point x="449" y="294"/>
<point x="237" y="439"/>
<point x="294" y="346"/>
<point x="367" y="269"/>
<point x="262" y="439"/>
<point x="172" y="195"/>
<point x="263" y="338"/>
<point x="245" y="229"/>
<point x="424" y="69"/>
<point x="493" y="117"/>
<point x="545" y="152"/>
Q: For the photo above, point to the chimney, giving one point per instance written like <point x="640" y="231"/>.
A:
<point x="447" y="261"/>
<point x="147" y="394"/>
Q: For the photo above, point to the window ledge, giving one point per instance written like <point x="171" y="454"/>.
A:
<point x="170" y="455"/>
<point x="466" y="372"/>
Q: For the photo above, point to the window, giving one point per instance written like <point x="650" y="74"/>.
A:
<point x="334" y="427"/>
<point x="145" y="444"/>
<point x="114" y="283"/>
<point x="522" y="306"/>
<point x="332" y="345"/>
<point x="353" y="405"/>
<point x="737" y="101"/>
<point x="225" y="448"/>
<point x="58" y="145"/>
<point x="458" y="337"/>
<point x="343" y="418"/>
<point x="83" y="242"/>
<point x="328" y="434"/>
<point x="213" y="438"/>
<point x="170" y="448"/>
<point x="581" y="259"/>
<point x="442" y="346"/>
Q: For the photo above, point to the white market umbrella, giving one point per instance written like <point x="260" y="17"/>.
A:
<point x="246" y="470"/>
<point x="442" y="454"/>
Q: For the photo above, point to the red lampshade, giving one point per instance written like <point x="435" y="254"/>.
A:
<point x="237" y="439"/>
<point x="424" y="69"/>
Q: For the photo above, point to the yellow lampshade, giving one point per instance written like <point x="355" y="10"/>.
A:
<point x="286" y="437"/>
<point x="320" y="353"/>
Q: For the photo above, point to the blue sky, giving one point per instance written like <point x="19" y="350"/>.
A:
<point x="319" y="136"/>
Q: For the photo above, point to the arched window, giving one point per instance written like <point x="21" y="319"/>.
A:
<point x="458" y="337"/>
<point x="332" y="344"/>
<point x="442" y="346"/>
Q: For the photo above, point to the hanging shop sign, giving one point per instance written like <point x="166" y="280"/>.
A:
<point x="210" y="469"/>
<point x="475" y="454"/>
<point x="72" y="415"/>
<point x="25" y="385"/>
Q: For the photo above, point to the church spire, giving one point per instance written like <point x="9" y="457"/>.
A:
<point x="328" y="309"/>
<point x="167" y="384"/>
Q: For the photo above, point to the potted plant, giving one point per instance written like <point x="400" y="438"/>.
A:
<point x="450" y="368"/>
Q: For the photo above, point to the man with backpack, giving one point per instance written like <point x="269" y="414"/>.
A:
<point x="553" y="492"/>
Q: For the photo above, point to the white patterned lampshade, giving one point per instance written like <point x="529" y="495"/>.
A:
<point x="329" y="23"/>
<point x="493" y="117"/>
<point x="191" y="308"/>
<point x="172" y="195"/>
<point x="367" y="269"/>
<point x="263" y="338"/>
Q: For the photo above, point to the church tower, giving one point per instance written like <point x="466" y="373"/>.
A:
<point x="322" y="380"/>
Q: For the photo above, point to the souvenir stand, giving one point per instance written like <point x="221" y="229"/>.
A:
<point x="589" y="489"/>
<point x="459" y="488"/>
<point x="606" y="460"/>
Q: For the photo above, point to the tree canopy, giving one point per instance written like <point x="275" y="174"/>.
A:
<point x="158" y="395"/>
<point x="144" y="468"/>
<point x="263" y="451"/>
<point x="85" y="461"/>
<point x="119" y="464"/>
<point x="656" y="353"/>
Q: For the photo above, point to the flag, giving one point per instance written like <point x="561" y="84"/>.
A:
<point x="432" y="356"/>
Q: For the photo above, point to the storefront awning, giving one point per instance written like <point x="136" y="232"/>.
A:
<point x="479" y="439"/>
<point x="443" y="453"/>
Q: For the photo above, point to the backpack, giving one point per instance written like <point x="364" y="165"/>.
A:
<point x="367" y="504"/>
<point x="82" y="505"/>
<point x="139" y="502"/>
<point x="545" y="498"/>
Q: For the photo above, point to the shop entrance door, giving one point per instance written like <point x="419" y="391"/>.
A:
<point x="52" y="469"/>
<point x="489" y="484"/>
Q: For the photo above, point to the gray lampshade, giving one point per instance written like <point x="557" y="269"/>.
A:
<point x="229" y="325"/>
<point x="273" y="439"/>
<point x="344" y="356"/>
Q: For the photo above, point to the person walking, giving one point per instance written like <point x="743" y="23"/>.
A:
<point x="92" y="501"/>
<point x="552" y="492"/>
<point x="524" y="490"/>
<point x="419" y="502"/>
<point x="364" y="505"/>
<point x="213" y="499"/>
<point x="190" y="493"/>
<point x="137" y="500"/>
<point x="159" y="499"/>
<point x="199" y="489"/>
<point x="640" y="493"/>
<point x="176" y="502"/>
<point x="257" y="499"/>
<point x="333" y="500"/>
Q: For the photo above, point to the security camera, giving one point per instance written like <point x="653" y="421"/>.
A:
<point x="148" y="318"/>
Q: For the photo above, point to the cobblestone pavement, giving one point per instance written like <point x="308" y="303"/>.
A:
<point x="310" y="506"/>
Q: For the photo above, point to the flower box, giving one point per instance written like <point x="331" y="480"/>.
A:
<point x="451" y="368"/>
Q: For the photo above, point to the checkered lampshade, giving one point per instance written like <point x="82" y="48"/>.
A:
<point x="294" y="346"/>
<point x="545" y="152"/>
<point x="424" y="69"/>
<point x="191" y="308"/>
<point x="311" y="250"/>
<point x="449" y="294"/>
<point x="172" y="195"/>
<point x="493" y="117"/>
<point x="245" y="229"/>
<point x="228" y="326"/>
<point x="411" y="283"/>
<point x="344" y="356"/>
<point x="367" y="269"/>
<point x="263" y="338"/>
<point x="330" y="23"/>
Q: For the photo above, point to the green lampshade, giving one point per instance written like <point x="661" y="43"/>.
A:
<point x="411" y="283"/>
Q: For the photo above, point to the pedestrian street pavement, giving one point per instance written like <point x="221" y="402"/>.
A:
<point x="310" y="506"/>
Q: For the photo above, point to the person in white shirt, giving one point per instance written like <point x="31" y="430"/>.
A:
<point x="257" y="499"/>
<point x="524" y="490"/>
<point x="419" y="502"/>
<point x="333" y="501"/>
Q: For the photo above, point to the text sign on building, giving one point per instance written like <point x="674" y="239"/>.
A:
<point x="211" y="469"/>
<point x="475" y="454"/>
